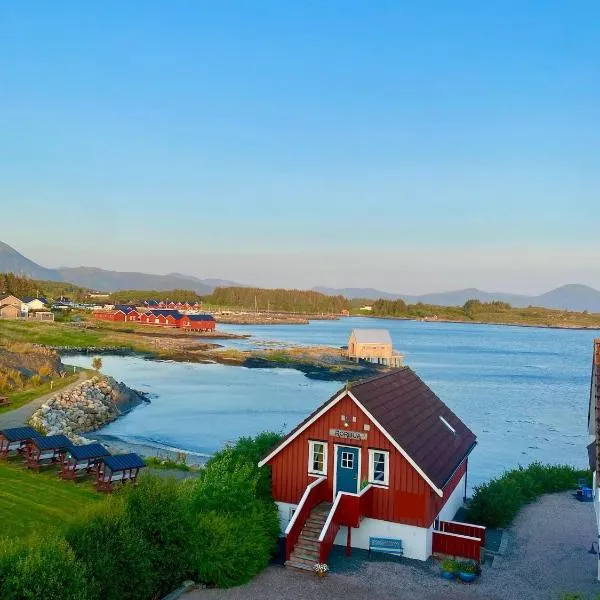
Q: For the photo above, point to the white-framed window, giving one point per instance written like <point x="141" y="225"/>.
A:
<point x="317" y="458"/>
<point x="379" y="467"/>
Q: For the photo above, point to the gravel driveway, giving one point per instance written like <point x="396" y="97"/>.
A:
<point x="547" y="555"/>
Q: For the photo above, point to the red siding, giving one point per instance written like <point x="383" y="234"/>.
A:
<point x="408" y="498"/>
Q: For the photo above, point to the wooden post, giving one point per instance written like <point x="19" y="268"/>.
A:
<point x="349" y="541"/>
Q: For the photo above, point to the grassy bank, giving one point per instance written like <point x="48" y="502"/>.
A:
<point x="31" y="502"/>
<point x="497" y="502"/>
<point x="23" y="397"/>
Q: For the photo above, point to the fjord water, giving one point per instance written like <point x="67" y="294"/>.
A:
<point x="524" y="391"/>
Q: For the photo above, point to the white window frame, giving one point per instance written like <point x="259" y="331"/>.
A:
<point x="386" y="472"/>
<point x="311" y="450"/>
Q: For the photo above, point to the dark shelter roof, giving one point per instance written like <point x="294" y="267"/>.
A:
<point x="17" y="434"/>
<point x="120" y="462"/>
<point x="52" y="442"/>
<point x="410" y="413"/>
<point x="94" y="450"/>
<point x="165" y="312"/>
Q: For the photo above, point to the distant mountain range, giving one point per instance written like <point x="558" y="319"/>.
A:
<point x="102" y="280"/>
<point x="569" y="297"/>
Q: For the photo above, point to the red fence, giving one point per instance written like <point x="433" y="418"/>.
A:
<point x="456" y="545"/>
<point x="314" y="494"/>
<point x="468" y="529"/>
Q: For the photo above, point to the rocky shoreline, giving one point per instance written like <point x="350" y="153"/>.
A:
<point x="86" y="407"/>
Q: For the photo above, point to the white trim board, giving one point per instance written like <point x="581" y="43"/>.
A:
<point x="330" y="405"/>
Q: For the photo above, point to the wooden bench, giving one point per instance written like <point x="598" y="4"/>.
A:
<point x="386" y="546"/>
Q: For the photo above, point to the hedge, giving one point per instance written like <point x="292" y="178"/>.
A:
<point x="42" y="568"/>
<point x="141" y="543"/>
<point x="497" y="502"/>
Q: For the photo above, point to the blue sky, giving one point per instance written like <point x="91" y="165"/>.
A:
<point x="412" y="147"/>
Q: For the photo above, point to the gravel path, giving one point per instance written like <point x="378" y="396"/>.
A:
<point x="546" y="556"/>
<point x="18" y="416"/>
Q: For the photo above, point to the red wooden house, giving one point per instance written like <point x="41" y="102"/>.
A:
<point x="381" y="458"/>
<point x="197" y="322"/>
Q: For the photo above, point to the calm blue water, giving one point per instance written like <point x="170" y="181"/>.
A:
<point x="523" y="391"/>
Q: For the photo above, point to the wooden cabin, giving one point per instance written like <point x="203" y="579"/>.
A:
<point x="81" y="460"/>
<point x="198" y="322"/>
<point x="15" y="440"/>
<point x="384" y="457"/>
<point x="373" y="345"/>
<point x="46" y="450"/>
<point x="121" y="468"/>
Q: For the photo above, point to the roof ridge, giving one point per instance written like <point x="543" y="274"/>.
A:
<point x="379" y="376"/>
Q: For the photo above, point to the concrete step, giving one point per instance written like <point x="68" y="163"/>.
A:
<point x="309" y="536"/>
<point x="307" y="545"/>
<point x="298" y="566"/>
<point x="315" y="522"/>
<point x="311" y="556"/>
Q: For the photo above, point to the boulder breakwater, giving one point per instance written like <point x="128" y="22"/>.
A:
<point x="86" y="407"/>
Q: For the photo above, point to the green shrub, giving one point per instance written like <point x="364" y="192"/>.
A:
<point x="450" y="565"/>
<point x="159" y="510"/>
<point x="114" y="552"/>
<point x="236" y="530"/>
<point x="42" y="568"/>
<point x="250" y="451"/>
<point x="231" y="550"/>
<point x="497" y="502"/>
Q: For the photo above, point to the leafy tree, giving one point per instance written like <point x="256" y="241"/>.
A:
<point x="96" y="363"/>
<point x="278" y="300"/>
<point x="159" y="510"/>
<point x="115" y="553"/>
<point x="42" y="567"/>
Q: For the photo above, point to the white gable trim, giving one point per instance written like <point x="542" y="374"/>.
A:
<point x="394" y="443"/>
<point x="306" y="425"/>
<point x="330" y="405"/>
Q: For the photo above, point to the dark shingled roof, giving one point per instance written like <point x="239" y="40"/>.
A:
<point x="94" y="450"/>
<point x="165" y="312"/>
<point x="120" y="462"/>
<point x="410" y="413"/>
<point x="52" y="442"/>
<point x="126" y="308"/>
<point x="200" y="317"/>
<point x="17" y="434"/>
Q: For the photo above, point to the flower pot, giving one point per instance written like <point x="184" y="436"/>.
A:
<point x="448" y="575"/>
<point x="322" y="574"/>
<point x="467" y="577"/>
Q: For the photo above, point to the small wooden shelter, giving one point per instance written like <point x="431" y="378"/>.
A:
<point x="46" y="450"/>
<point x="373" y="345"/>
<point x="15" y="439"/>
<point x="81" y="460"/>
<point x="119" y="468"/>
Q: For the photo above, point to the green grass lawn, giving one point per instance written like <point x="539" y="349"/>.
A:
<point x="32" y="502"/>
<point x="21" y="398"/>
<point x="51" y="334"/>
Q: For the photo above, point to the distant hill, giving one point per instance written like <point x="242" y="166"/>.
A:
<point x="571" y="297"/>
<point x="574" y="297"/>
<point x="102" y="280"/>
<point x="112" y="281"/>
<point x="12" y="261"/>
